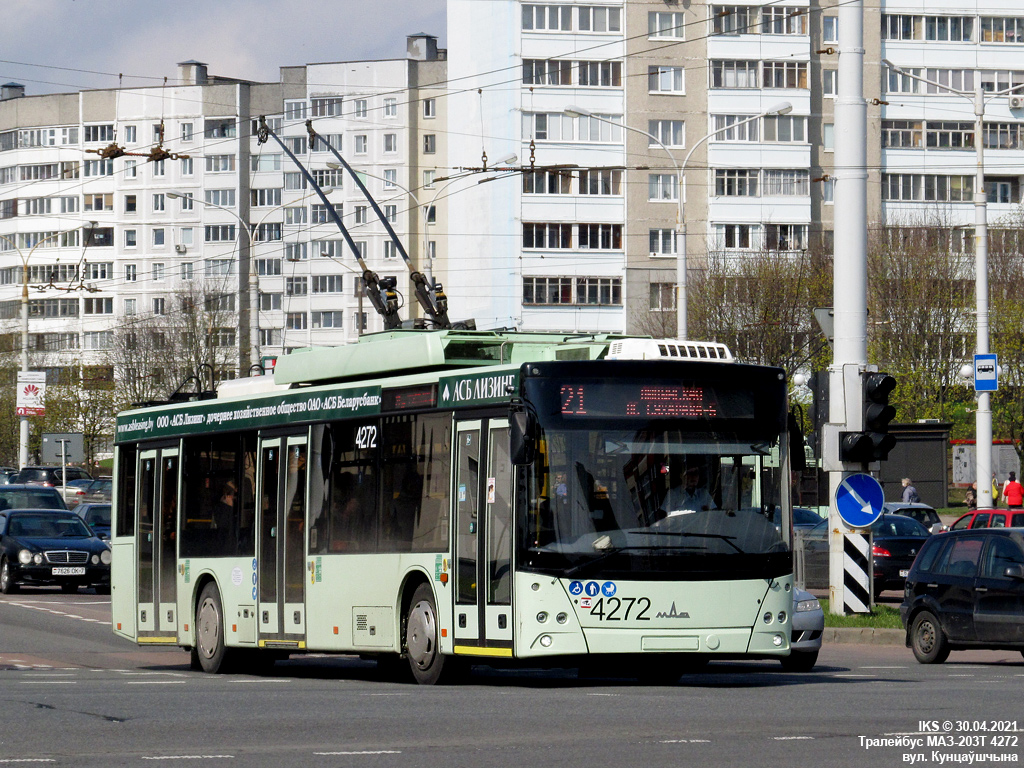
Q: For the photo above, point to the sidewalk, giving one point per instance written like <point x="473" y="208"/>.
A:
<point x="864" y="636"/>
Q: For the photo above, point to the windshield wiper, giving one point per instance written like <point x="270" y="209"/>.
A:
<point x="604" y="556"/>
<point x="722" y="536"/>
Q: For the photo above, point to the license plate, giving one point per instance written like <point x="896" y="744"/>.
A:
<point x="904" y="574"/>
<point x="69" y="571"/>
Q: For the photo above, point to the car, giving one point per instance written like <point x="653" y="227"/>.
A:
<point x="924" y="514"/>
<point x="966" y="590"/>
<point x="41" y="547"/>
<point x="803" y="518"/>
<point x="100" y="489"/>
<point x="990" y="518"/>
<point x="896" y="540"/>
<point x="50" y="475"/>
<point x="97" y="516"/>
<point x="73" y="491"/>
<point x="805" y="635"/>
<point x="30" y="497"/>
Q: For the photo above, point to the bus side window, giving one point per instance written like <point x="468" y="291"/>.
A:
<point x="126" y="470"/>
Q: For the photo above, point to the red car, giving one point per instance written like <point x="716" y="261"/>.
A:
<point x="990" y="518"/>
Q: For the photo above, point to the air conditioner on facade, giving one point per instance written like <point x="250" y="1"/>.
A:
<point x="180" y="249"/>
<point x="1017" y="102"/>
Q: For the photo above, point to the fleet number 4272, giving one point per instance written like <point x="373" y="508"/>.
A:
<point x="619" y="609"/>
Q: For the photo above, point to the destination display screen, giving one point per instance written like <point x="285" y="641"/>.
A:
<point x="653" y="400"/>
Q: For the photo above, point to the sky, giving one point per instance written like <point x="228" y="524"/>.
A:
<point x="53" y="46"/>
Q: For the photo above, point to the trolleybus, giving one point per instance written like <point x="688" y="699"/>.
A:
<point x="432" y="499"/>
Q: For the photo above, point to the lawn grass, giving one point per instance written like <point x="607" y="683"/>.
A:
<point x="884" y="617"/>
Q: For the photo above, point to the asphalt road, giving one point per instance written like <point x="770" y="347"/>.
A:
<point x="71" y="694"/>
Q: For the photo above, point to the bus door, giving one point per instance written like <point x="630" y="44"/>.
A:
<point x="483" y="539"/>
<point x="157" y="546"/>
<point x="281" y="541"/>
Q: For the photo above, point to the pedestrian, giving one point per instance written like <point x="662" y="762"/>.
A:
<point x="995" y="490"/>
<point x="971" y="497"/>
<point x="910" y="495"/>
<point x="1013" y="492"/>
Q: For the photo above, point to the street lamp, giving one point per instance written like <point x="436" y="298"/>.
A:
<point x="23" y="443"/>
<point x="983" y="416"/>
<point x="782" y="108"/>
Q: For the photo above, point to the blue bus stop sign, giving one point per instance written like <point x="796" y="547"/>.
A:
<point x="859" y="500"/>
<point x="986" y="373"/>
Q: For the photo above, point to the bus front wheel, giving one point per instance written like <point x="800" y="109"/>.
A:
<point x="209" y="649"/>
<point x="421" y="635"/>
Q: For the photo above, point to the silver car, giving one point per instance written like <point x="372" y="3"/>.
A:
<point x="808" y="624"/>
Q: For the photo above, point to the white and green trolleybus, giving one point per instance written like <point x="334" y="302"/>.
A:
<point x="437" y="498"/>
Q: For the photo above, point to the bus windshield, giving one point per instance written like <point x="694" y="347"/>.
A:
<point x="655" y="502"/>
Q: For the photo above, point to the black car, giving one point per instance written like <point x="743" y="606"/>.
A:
<point x="96" y="516"/>
<point x="30" y="497"/>
<point x="896" y="540"/>
<point x="49" y="475"/>
<point x="924" y="514"/>
<point x="966" y="590"/>
<point x="42" y="547"/>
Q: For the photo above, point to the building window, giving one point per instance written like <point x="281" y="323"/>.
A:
<point x="390" y="107"/>
<point x="663" y="242"/>
<point x="1002" y="29"/>
<point x="785" y="128"/>
<point x="270" y="337"/>
<point x="600" y="74"/>
<point x="270" y="302"/>
<point x="261" y="198"/>
<point x="599" y="18"/>
<point x="131" y="272"/>
<point x="130" y="239"/>
<point x="390" y="251"/>
<point x="187" y="166"/>
<point x="295" y="321"/>
<point x="391" y="213"/>
<point x="605" y="130"/>
<point x="547" y="18"/>
<point x="129" y="306"/>
<point x="729" y="128"/>
<point x="296" y="286"/>
<point x="390" y="178"/>
<point x="158" y="272"/>
<point x="327" y="284"/>
<point x="320" y="143"/>
<point x="429" y="144"/>
<point x="547" y="72"/>
<point x="780" y="20"/>
<point x="662" y="187"/>
<point x="328" y="319"/>
<point x="785" y="183"/>
<point x="786" y="237"/>
<point x="298" y="251"/>
<point x="98" y="339"/>
<point x="159" y="306"/>
<point x="296" y="144"/>
<point x="730" y="182"/>
<point x="329" y="106"/>
<point x="131" y="169"/>
<point x="268" y="267"/>
<point x="734" y="74"/>
<point x="664" y="79"/>
<point x="159" y="168"/>
<point x="295" y="110"/>
<point x="187" y="271"/>
<point x="390" y="142"/>
<point x="320" y="214"/>
<point x="158" y="237"/>
<point x="186" y="131"/>
<point x="130" y="204"/>
<point x="669" y="132"/>
<point x="548" y="127"/>
<point x="542" y="235"/>
<point x="602" y="237"/>
<point x="429" y="108"/>
<point x="295" y="215"/>
<point x="360" y="214"/>
<point x="294" y="182"/>
<point x="601" y="182"/>
<point x="916" y="187"/>
<point x="547" y="290"/>
<point x="663" y="297"/>
<point x="265" y="162"/>
<point x="91" y="306"/>
<point x="732" y="19"/>
<point x="555" y="291"/>
<point x="785" y="74"/>
<point x="830" y="29"/>
<point x="131" y="134"/>
<point x="220" y="163"/>
<point x="360" y="144"/>
<point x="219" y="233"/>
<point x="220" y="197"/>
<point x="665" y="24"/>
<point x="99" y="133"/>
<point x="830" y="82"/>
<point x="949" y="135"/>
<point x="735" y="236"/>
<point x="547" y="182"/>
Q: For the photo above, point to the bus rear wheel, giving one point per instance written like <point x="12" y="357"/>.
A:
<point x="426" y="662"/>
<point x="210" y="651"/>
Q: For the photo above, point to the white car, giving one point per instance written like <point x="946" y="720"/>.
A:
<point x="808" y="624"/>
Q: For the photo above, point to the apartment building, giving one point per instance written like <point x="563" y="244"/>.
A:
<point x="124" y="200"/>
<point x="590" y="242"/>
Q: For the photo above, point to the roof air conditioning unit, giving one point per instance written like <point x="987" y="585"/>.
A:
<point x="180" y="248"/>
<point x="1017" y="102"/>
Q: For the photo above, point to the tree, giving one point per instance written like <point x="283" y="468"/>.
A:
<point x="1006" y="291"/>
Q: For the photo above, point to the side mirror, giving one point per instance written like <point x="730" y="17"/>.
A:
<point x="521" y="437"/>
<point x="937" y="528"/>
<point x="1014" y="572"/>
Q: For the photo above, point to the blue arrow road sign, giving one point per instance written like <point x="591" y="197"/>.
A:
<point x="859" y="500"/>
<point x="986" y="373"/>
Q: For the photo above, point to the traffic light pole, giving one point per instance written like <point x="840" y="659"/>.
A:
<point x="850" y="274"/>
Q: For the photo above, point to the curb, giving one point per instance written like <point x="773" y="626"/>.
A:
<point x="864" y="636"/>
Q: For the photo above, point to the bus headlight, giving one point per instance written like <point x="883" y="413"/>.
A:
<point x="542" y="617"/>
<point x="767" y="617"/>
<point x="105" y="557"/>
<point x="777" y="641"/>
<point x="25" y="557"/>
<point x="562" y="618"/>
<point x="782" y="617"/>
<point x="545" y="640"/>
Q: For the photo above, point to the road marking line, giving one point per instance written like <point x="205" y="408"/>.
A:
<point x="685" y="741"/>
<point x="881" y="667"/>
<point x="793" y="738"/>
<point x="27" y="760"/>
<point x="48" y="682"/>
<point x="959" y="675"/>
<point x="852" y="675"/>
<point x="156" y="682"/>
<point x="364" y="752"/>
<point x="275" y="680"/>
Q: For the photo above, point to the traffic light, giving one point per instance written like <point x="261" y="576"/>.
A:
<point x="873" y="442"/>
